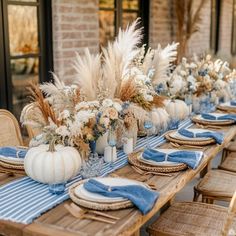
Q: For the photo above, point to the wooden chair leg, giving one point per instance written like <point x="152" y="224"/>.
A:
<point x="225" y="153"/>
<point x="196" y="195"/>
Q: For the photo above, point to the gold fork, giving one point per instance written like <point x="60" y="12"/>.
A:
<point x="80" y="215"/>
<point x="83" y="211"/>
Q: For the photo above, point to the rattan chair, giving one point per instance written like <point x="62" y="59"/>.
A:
<point x="216" y="185"/>
<point x="227" y="150"/>
<point x="28" y="112"/>
<point x="194" y="218"/>
<point x="10" y="134"/>
<point x="229" y="164"/>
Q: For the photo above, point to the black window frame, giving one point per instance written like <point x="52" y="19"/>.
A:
<point x="45" y="54"/>
<point x="215" y="25"/>
<point x="143" y="13"/>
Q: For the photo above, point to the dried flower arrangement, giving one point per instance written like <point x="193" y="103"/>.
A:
<point x="110" y="90"/>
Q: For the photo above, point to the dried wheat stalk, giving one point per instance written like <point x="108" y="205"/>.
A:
<point x="43" y="105"/>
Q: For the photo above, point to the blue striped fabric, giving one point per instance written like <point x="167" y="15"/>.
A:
<point x="24" y="200"/>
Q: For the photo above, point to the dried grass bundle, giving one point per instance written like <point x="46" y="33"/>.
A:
<point x="158" y="101"/>
<point x="188" y="23"/>
<point x="118" y="56"/>
<point x="43" y="105"/>
<point x="128" y="89"/>
<point x="88" y="68"/>
<point x="162" y="61"/>
<point x="141" y="101"/>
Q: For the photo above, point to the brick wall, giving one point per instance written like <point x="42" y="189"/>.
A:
<point x="200" y="42"/>
<point x="75" y="26"/>
<point x="225" y="28"/>
<point x="163" y="26"/>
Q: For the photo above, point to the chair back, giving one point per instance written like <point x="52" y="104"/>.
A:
<point x="32" y="112"/>
<point x="10" y="134"/>
<point x="230" y="217"/>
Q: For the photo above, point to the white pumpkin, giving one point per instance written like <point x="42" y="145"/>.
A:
<point x="160" y="119"/>
<point x="52" y="165"/>
<point x="177" y="109"/>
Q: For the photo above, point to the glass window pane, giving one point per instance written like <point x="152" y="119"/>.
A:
<point x="130" y="4"/>
<point x="23" y="29"/>
<point x="106" y="27"/>
<point x="106" y="3"/>
<point x="128" y="18"/>
<point x="23" y="71"/>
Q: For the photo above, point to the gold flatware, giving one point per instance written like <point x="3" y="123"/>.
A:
<point x="83" y="211"/>
<point x="77" y="214"/>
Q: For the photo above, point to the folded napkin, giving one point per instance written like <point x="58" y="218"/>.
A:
<point x="190" y="158"/>
<point x="13" y="152"/>
<point x="233" y="103"/>
<point x="219" y="137"/>
<point x="140" y="196"/>
<point x="210" y="116"/>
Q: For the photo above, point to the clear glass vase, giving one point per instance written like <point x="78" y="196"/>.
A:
<point x="93" y="166"/>
<point x="58" y="188"/>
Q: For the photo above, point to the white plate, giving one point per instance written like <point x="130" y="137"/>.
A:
<point x="12" y="159"/>
<point x="177" y="135"/>
<point x="161" y="163"/>
<point x="199" y="117"/>
<point x="227" y="104"/>
<point x="81" y="192"/>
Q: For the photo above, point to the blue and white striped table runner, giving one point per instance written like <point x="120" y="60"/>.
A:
<point x="24" y="200"/>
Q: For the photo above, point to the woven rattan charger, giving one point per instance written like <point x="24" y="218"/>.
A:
<point x="213" y="122"/>
<point x="96" y="205"/>
<point x="227" y="108"/>
<point x="188" y="142"/>
<point x="133" y="160"/>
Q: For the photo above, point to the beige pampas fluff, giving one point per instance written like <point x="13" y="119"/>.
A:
<point x="52" y="89"/>
<point x="88" y="74"/>
<point x="118" y="56"/>
<point x="162" y="60"/>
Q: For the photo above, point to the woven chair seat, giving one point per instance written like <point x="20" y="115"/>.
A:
<point x="231" y="147"/>
<point x="217" y="185"/>
<point x="191" y="218"/>
<point x="230" y="163"/>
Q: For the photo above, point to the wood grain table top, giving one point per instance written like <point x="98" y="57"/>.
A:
<point x="58" y="221"/>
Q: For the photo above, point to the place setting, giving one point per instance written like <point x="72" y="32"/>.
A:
<point x="229" y="106"/>
<point x="12" y="159"/>
<point x="194" y="137"/>
<point x="110" y="193"/>
<point x="215" y="119"/>
<point x="165" y="161"/>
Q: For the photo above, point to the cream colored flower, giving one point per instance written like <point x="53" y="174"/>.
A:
<point x="112" y="113"/>
<point x="107" y="103"/>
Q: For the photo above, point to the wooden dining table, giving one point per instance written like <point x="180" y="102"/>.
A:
<point x="58" y="221"/>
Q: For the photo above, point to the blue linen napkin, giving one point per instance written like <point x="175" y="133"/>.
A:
<point x="219" y="137"/>
<point x="13" y="152"/>
<point x="141" y="197"/>
<point x="190" y="158"/>
<point x="210" y="116"/>
<point x="233" y="103"/>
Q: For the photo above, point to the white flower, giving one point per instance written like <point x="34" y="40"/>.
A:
<point x="64" y="115"/>
<point x="107" y="103"/>
<point x="147" y="96"/>
<point x="63" y="131"/>
<point x="117" y="106"/>
<point x="84" y="116"/>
